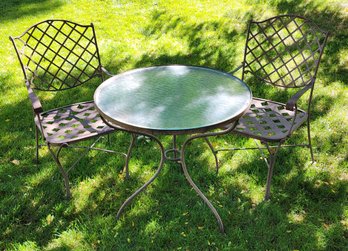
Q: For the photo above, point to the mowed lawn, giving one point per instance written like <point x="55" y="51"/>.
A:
<point x="308" y="208"/>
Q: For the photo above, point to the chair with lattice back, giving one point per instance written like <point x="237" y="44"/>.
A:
<point x="57" y="55"/>
<point x="282" y="51"/>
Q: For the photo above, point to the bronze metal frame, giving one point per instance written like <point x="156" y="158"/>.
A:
<point x="57" y="55"/>
<point x="175" y="153"/>
<point x="179" y="157"/>
<point x="284" y="51"/>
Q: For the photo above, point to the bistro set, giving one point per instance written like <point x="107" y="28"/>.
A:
<point x="199" y="102"/>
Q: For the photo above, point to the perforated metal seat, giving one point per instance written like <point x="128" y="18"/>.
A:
<point x="269" y="121"/>
<point x="72" y="123"/>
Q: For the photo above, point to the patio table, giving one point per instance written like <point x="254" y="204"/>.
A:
<point x="173" y="100"/>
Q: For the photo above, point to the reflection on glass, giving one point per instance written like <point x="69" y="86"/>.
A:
<point x="172" y="97"/>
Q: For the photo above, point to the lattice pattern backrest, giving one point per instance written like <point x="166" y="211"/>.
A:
<point x="58" y="55"/>
<point x="284" y="51"/>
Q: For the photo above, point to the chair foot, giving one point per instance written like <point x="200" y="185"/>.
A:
<point x="37" y="158"/>
<point x="37" y="145"/>
<point x="268" y="185"/>
<point x="108" y="139"/>
<point x="62" y="170"/>
<point x="270" y="164"/>
<point x="310" y="141"/>
<point x="311" y="151"/>
<point x="66" y="180"/>
<point x="67" y="189"/>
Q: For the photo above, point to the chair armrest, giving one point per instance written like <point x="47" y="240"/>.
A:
<point x="236" y="69"/>
<point x="291" y="104"/>
<point x="35" y="102"/>
<point x="106" y="72"/>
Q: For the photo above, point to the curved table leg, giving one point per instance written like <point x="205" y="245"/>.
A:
<point x="126" y="166"/>
<point x="127" y="201"/>
<point x="189" y="179"/>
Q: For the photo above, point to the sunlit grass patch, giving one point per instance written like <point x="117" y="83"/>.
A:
<point x="308" y="208"/>
<point x="71" y="240"/>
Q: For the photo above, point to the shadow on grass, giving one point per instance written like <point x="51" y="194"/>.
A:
<point x="302" y="206"/>
<point x="12" y="10"/>
<point x="202" y="51"/>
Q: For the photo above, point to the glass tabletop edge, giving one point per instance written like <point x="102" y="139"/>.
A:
<point x="133" y="128"/>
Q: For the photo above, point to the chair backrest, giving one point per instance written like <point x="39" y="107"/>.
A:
<point x="58" y="55"/>
<point x="284" y="51"/>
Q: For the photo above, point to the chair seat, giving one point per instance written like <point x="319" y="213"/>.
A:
<point x="268" y="120"/>
<point x="72" y="123"/>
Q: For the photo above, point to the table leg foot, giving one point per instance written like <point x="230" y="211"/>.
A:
<point x="189" y="179"/>
<point x="127" y="201"/>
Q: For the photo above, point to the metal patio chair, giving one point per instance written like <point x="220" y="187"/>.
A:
<point x="285" y="52"/>
<point x="57" y="55"/>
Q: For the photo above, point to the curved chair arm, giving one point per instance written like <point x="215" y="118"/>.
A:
<point x="236" y="69"/>
<point x="35" y="102"/>
<point x="291" y="104"/>
<point x="106" y="71"/>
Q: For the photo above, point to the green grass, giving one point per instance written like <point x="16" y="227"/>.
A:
<point x="308" y="210"/>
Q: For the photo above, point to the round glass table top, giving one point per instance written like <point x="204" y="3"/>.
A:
<point x="173" y="98"/>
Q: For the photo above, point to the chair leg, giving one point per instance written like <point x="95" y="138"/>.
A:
<point x="214" y="153"/>
<point x="37" y="144"/>
<point x="126" y="166"/>
<point x="310" y="141"/>
<point x="108" y="139"/>
<point x="270" y="163"/>
<point x="62" y="170"/>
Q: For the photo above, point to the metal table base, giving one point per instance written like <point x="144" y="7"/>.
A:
<point x="179" y="156"/>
